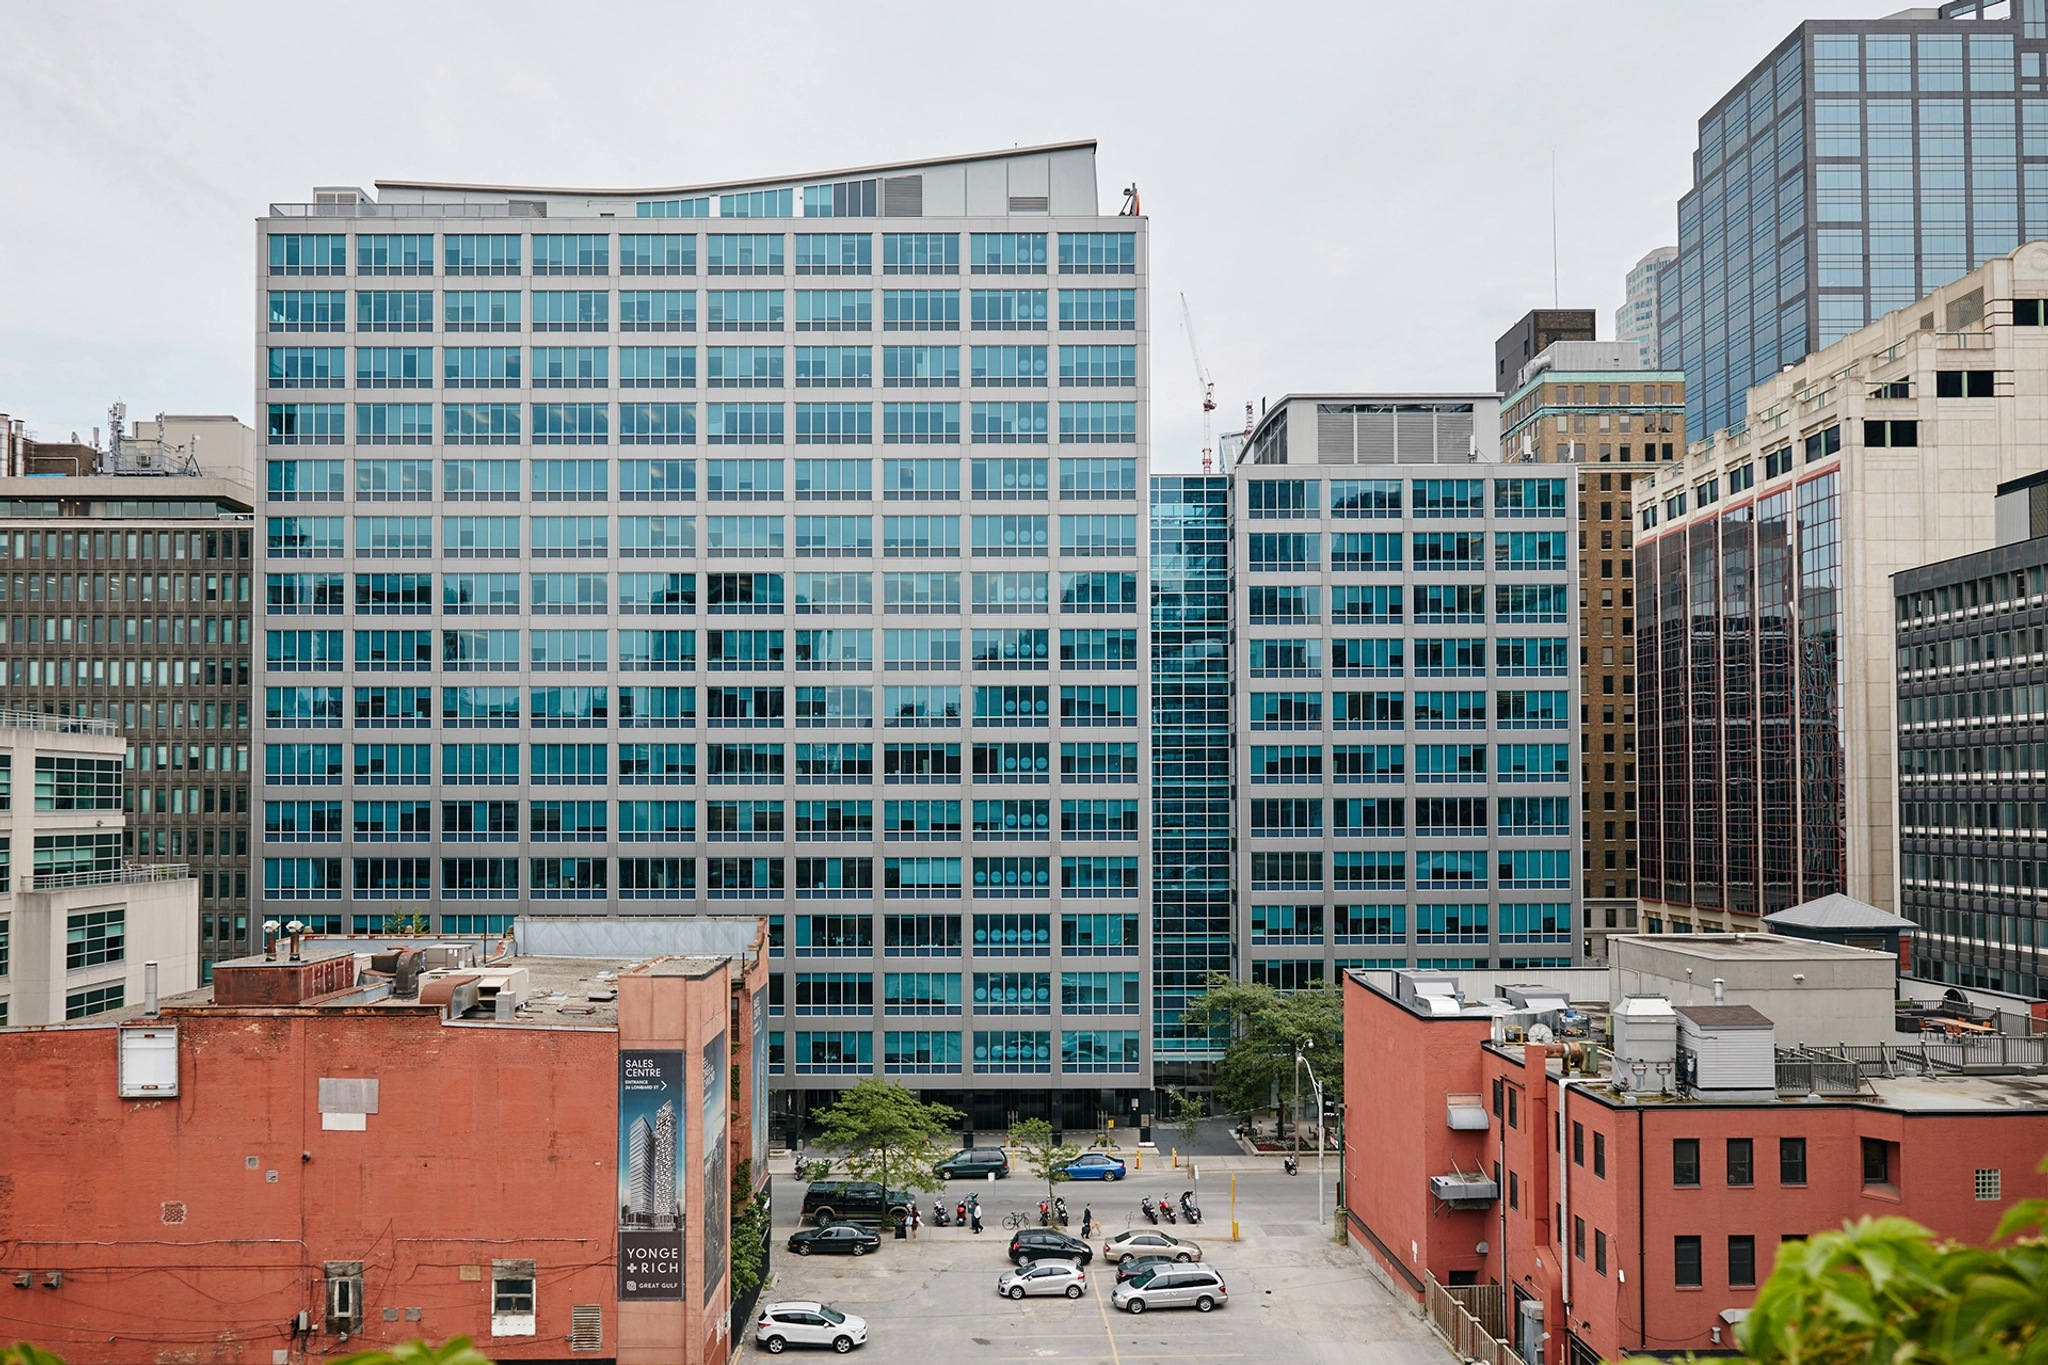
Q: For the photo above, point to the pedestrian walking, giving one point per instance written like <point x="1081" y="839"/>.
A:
<point x="1087" y="1221"/>
<point x="974" y="1210"/>
<point x="916" y="1220"/>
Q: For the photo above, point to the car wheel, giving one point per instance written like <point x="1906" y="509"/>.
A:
<point x="842" y="1344"/>
<point x="1205" y="1303"/>
<point x="823" y="1218"/>
<point x="1182" y="1258"/>
<point x="1134" y="1306"/>
<point x="774" y="1345"/>
<point x="1116" y="1175"/>
<point x="1073" y="1291"/>
<point x="1016" y="1291"/>
<point x="803" y="1248"/>
<point x="861" y="1249"/>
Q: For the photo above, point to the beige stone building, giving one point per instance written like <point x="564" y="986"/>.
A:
<point x="1585" y="403"/>
<point x="1766" y="679"/>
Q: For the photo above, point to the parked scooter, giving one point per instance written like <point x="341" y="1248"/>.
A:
<point x="940" y="1217"/>
<point x="1166" y="1209"/>
<point x="960" y="1213"/>
<point x="1188" y="1208"/>
<point x="1151" y="1210"/>
<point x="1044" y="1214"/>
<point x="1059" y="1209"/>
<point x="1293" y="1167"/>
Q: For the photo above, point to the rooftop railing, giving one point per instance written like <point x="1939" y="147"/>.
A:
<point x="56" y="725"/>
<point x="128" y="874"/>
<point x="520" y="208"/>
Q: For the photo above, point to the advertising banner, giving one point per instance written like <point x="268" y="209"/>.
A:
<point x="650" y="1193"/>
<point x="717" y="1182"/>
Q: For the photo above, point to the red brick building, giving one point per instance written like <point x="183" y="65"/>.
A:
<point x="1645" y="1223"/>
<point x="354" y="1168"/>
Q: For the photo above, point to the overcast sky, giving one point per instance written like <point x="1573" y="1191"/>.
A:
<point x="1352" y="196"/>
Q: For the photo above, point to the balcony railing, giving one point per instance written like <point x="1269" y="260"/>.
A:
<point x="126" y="874"/>
<point x="57" y="725"/>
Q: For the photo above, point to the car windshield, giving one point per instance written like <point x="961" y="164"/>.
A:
<point x="1144" y="1277"/>
<point x="831" y="1315"/>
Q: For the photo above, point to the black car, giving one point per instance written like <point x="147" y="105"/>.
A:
<point x="850" y="1238"/>
<point x="975" y="1163"/>
<point x="828" y="1201"/>
<point x="1048" y="1244"/>
<point x="1131" y="1265"/>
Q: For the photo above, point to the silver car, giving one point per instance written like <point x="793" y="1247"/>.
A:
<point x="778" y="1325"/>
<point x="1172" y="1286"/>
<point x="1044" y="1277"/>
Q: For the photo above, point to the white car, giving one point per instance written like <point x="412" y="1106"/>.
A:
<point x="1150" y="1242"/>
<point x="1044" y="1277"/>
<point x="808" y="1324"/>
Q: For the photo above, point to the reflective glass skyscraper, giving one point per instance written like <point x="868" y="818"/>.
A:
<point x="1858" y="167"/>
<point x="1190" y="757"/>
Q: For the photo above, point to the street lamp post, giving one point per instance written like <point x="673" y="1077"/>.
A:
<point x="1316" y="1088"/>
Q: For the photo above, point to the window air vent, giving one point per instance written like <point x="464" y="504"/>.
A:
<point x="903" y="196"/>
<point x="586" y="1327"/>
<point x="1030" y="203"/>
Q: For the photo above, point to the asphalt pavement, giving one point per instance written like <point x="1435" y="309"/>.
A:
<point x="1288" y="1280"/>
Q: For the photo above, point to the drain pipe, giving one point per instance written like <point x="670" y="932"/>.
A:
<point x="149" y="1003"/>
<point x="1566" y="1246"/>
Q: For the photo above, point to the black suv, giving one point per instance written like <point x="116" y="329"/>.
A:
<point x="974" y="1163"/>
<point x="854" y="1201"/>
<point x="1048" y="1244"/>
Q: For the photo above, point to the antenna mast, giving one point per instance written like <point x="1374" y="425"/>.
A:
<point x="1208" y="386"/>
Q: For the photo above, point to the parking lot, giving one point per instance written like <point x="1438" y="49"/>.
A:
<point x="1288" y="1282"/>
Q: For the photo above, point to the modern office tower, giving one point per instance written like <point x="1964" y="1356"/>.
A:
<point x="82" y="925"/>
<point x="1635" y="322"/>
<point x="768" y="547"/>
<point x="1406" y="747"/>
<point x="1534" y="334"/>
<point x="124" y="598"/>
<point x="1764" y="634"/>
<point x="1973" y="748"/>
<point x="1192" y="836"/>
<point x="1585" y="403"/>
<point x="1858" y="166"/>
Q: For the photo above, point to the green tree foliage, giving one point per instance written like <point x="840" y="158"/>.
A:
<point x="1265" y="1026"/>
<point x="1047" y="1159"/>
<point x="749" y="1241"/>
<point x="24" y="1353"/>
<point x="1886" y="1291"/>
<point x="1186" y="1118"/>
<point x="454" y="1351"/>
<point x="888" y="1134"/>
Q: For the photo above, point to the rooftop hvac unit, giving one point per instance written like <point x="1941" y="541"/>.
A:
<point x="1645" y="1043"/>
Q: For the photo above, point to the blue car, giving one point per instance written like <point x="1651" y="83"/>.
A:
<point x="1095" y="1166"/>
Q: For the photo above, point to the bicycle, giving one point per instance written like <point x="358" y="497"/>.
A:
<point x="1014" y="1221"/>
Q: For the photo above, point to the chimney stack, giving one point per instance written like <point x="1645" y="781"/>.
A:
<point x="1718" y="983"/>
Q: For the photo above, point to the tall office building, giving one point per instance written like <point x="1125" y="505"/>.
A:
<point x="1973" y="744"/>
<point x="124" y="598"/>
<point x="1407" y="749"/>
<point x="1192" y="836"/>
<point x="1767" y="672"/>
<point x="1860" y="165"/>
<point x="1585" y="404"/>
<point x="1635" y="322"/>
<point x="532" y="644"/>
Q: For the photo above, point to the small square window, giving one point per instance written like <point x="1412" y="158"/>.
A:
<point x="1989" y="1185"/>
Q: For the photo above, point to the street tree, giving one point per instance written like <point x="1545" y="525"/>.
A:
<point x="888" y="1134"/>
<point x="1265" y="1027"/>
<point x="1047" y="1159"/>
<point x="1186" y="1118"/>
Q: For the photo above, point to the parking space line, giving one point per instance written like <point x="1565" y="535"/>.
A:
<point x="1102" y="1307"/>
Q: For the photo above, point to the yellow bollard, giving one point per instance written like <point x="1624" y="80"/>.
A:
<point x="1176" y="1157"/>
<point x="1140" y="1157"/>
<point x="1233" y="1206"/>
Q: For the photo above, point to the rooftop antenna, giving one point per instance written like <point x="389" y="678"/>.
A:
<point x="1554" y="292"/>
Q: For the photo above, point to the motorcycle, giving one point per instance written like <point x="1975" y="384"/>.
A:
<point x="1288" y="1161"/>
<point x="940" y="1217"/>
<point x="1044" y="1214"/>
<point x="1059" y="1210"/>
<point x="1151" y="1210"/>
<point x="1188" y="1208"/>
<point x="1166" y="1209"/>
<point x="960" y="1213"/>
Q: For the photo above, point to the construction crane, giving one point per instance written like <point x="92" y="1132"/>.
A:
<point x="1202" y="377"/>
